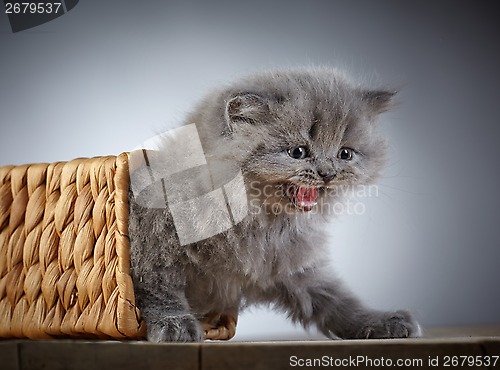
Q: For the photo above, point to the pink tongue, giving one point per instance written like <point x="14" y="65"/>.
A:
<point x="307" y="195"/>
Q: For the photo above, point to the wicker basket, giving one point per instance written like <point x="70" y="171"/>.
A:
<point x="64" y="253"/>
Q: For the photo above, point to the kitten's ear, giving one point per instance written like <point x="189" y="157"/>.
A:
<point x="379" y="100"/>
<point x="249" y="108"/>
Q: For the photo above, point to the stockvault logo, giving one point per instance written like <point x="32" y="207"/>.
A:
<point x="28" y="14"/>
<point x="204" y="199"/>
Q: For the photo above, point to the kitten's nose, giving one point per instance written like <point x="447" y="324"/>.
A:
<point x="327" y="175"/>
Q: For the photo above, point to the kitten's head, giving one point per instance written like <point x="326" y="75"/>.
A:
<point x="296" y="134"/>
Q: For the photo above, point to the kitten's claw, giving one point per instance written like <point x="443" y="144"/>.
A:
<point x="399" y="324"/>
<point x="184" y="328"/>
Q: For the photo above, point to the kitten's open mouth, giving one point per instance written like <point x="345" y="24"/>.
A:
<point x="303" y="197"/>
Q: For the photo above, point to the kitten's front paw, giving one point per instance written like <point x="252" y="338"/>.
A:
<point x="184" y="328"/>
<point x="399" y="324"/>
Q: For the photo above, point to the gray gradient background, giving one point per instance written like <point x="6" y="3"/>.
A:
<point x="110" y="74"/>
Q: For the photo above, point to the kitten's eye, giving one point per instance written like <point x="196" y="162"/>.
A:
<point x="299" y="152"/>
<point x="345" y="154"/>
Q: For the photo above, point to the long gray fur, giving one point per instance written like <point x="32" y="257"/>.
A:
<point x="278" y="254"/>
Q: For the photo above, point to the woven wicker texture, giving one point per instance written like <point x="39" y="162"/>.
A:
<point x="64" y="251"/>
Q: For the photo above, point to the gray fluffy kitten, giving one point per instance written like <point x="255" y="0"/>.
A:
<point x="297" y="136"/>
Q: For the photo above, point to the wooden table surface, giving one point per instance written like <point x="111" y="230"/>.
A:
<point x="475" y="347"/>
